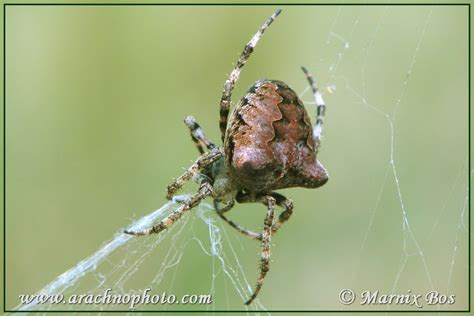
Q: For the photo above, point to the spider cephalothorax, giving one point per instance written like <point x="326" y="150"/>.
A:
<point x="268" y="144"/>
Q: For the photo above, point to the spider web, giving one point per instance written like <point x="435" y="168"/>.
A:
<point x="407" y="231"/>
<point x="122" y="258"/>
<point x="412" y="250"/>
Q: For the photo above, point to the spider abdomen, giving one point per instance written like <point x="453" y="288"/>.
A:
<point x="269" y="143"/>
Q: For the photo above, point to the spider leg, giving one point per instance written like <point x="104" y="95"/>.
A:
<point x="227" y="207"/>
<point x="204" y="191"/>
<point x="197" y="135"/>
<point x="287" y="206"/>
<point x="235" y="73"/>
<point x="280" y="200"/>
<point x="221" y="211"/>
<point x="320" y="108"/>
<point x="266" y="241"/>
<point x="202" y="162"/>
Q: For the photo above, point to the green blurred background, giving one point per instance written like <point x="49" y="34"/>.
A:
<point x="95" y="98"/>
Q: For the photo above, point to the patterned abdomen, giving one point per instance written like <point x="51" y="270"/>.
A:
<point x="269" y="142"/>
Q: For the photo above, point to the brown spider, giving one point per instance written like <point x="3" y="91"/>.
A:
<point x="269" y="144"/>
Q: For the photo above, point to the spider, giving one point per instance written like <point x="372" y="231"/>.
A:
<point x="268" y="144"/>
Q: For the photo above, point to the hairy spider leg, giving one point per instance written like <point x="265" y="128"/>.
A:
<point x="204" y="191"/>
<point x="197" y="135"/>
<point x="226" y="208"/>
<point x="320" y="109"/>
<point x="202" y="162"/>
<point x="241" y="198"/>
<point x="280" y="200"/>
<point x="239" y="228"/>
<point x="235" y="73"/>
<point x="266" y="242"/>
<point x="287" y="206"/>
